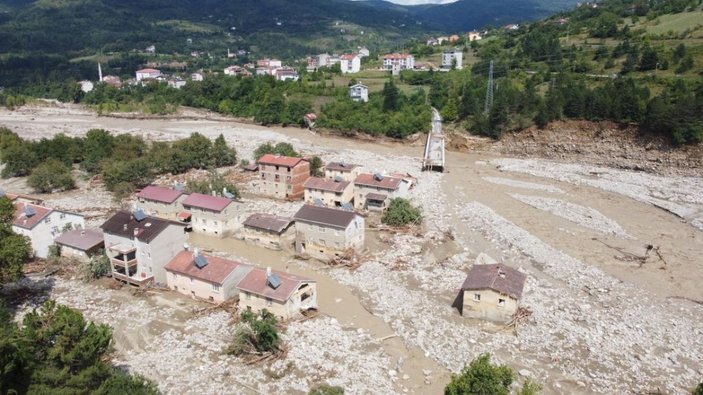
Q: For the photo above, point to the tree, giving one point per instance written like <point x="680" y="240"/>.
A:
<point x="97" y="146"/>
<point x="19" y="160"/>
<point x="450" y="112"/>
<point x="271" y="109"/>
<point x="400" y="213"/>
<point x="15" y="250"/>
<point x="222" y="154"/>
<point x="285" y="149"/>
<point x="529" y="387"/>
<point x="51" y="175"/>
<point x="481" y="377"/>
<point x="391" y="96"/>
<point x="679" y="53"/>
<point x="649" y="59"/>
<point x="98" y="266"/>
<point x="263" y="149"/>
<point x="7" y="213"/>
<point x="137" y="172"/>
<point x="316" y="167"/>
<point x="698" y="390"/>
<point x="215" y="182"/>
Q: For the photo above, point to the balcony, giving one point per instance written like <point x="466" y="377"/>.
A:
<point x="132" y="280"/>
<point x="118" y="261"/>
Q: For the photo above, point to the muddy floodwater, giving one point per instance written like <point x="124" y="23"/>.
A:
<point x="613" y="259"/>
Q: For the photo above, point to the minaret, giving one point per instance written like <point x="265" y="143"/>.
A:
<point x="100" y="73"/>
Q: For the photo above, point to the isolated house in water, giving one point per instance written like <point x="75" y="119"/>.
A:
<point x="205" y="277"/>
<point x="267" y="230"/>
<point x="139" y="246"/>
<point x="491" y="292"/>
<point x="327" y="232"/>
<point x="283" y="294"/>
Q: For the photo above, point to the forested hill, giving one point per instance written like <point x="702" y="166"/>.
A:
<point x="60" y="26"/>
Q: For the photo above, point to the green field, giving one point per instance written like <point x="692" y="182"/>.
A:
<point x="676" y="23"/>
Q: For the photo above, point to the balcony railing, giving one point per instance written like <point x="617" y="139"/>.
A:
<point x="129" y="263"/>
<point x="132" y="280"/>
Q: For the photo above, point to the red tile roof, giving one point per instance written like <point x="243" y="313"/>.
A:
<point x="325" y="184"/>
<point x="348" y="57"/>
<point x="207" y="202"/>
<point x="497" y="277"/>
<point x="148" y="71"/>
<point x="390" y="183"/>
<point x="270" y="159"/>
<point x="159" y="194"/>
<point x="255" y="283"/>
<point x="216" y="270"/>
<point x="81" y="239"/>
<point x="23" y="221"/>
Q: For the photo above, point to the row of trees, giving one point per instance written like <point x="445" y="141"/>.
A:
<point x="124" y="161"/>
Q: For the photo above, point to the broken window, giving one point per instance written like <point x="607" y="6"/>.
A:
<point x="501" y="302"/>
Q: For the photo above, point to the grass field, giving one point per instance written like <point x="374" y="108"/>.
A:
<point x="676" y="23"/>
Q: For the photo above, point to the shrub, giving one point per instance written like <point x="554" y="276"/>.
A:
<point x="98" y="266"/>
<point x="256" y="334"/>
<point x="316" y="167"/>
<point x="698" y="390"/>
<point x="326" y="389"/>
<point x="400" y="213"/>
<point x="481" y="377"/>
<point x="49" y="176"/>
<point x="215" y="182"/>
<point x="54" y="251"/>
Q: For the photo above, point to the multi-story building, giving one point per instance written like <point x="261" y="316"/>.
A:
<point x="269" y="63"/>
<point x="324" y="232"/>
<point x="348" y="171"/>
<point x="139" y="246"/>
<point x="398" y="61"/>
<point x="205" y="277"/>
<point x="350" y="63"/>
<point x="42" y="224"/>
<point x="283" y="177"/>
<point x="213" y="215"/>
<point x="333" y="192"/>
<point x="359" y="92"/>
<point x="160" y="201"/>
<point x="452" y="58"/>
<point x="144" y="74"/>
<point x="374" y="191"/>
<point x="281" y="293"/>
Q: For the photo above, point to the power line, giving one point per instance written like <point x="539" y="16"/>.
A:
<point x="489" y="90"/>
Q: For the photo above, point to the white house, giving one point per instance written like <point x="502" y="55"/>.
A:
<point x="42" y="224"/>
<point x="147" y="73"/>
<point x="350" y="64"/>
<point x="346" y="171"/>
<point x="359" y="92"/>
<point x="214" y="215"/>
<point x="285" y="74"/>
<point x="237" y="70"/>
<point x="473" y="35"/>
<point x="273" y="63"/>
<point x="86" y="86"/>
<point x="363" y="52"/>
<point x="139" y="246"/>
<point x="177" y="83"/>
<point x="451" y="58"/>
<point x="324" y="232"/>
<point x="399" y="61"/>
<point x="196" y="77"/>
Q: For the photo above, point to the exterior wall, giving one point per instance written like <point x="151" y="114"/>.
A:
<point x="283" y="310"/>
<point x="448" y="57"/>
<point x="346" y="175"/>
<point x="151" y="257"/>
<point x="288" y="185"/>
<point x="326" y="242"/>
<point x="162" y="210"/>
<point x="70" y="252"/>
<point x="43" y="234"/>
<point x="351" y="66"/>
<point x="488" y="308"/>
<point x="359" y="94"/>
<point x="267" y="239"/>
<point x="201" y="289"/>
<point x="360" y="192"/>
<point x="329" y="198"/>
<point x="217" y="224"/>
<point x="407" y="63"/>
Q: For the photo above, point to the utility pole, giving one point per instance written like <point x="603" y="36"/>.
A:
<point x="489" y="90"/>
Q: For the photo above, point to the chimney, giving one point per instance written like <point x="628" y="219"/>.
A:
<point x="268" y="271"/>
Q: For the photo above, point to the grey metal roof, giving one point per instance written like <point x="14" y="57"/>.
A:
<point x="324" y="216"/>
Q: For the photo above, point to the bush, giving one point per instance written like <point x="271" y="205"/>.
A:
<point x="481" y="377"/>
<point x="54" y="251"/>
<point x="256" y="334"/>
<point x="316" y="167"/>
<point x="400" y="213"/>
<point x="326" y="389"/>
<point x="215" y="182"/>
<point x="51" y="175"/>
<point x="284" y="149"/>
<point x="98" y="266"/>
<point x="698" y="390"/>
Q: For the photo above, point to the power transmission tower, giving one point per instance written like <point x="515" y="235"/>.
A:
<point x="489" y="90"/>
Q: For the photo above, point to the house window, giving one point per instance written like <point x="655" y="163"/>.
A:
<point x="288" y="178"/>
<point x="276" y="169"/>
<point x="477" y="297"/>
<point x="289" y="187"/>
<point x="48" y="219"/>
<point x="277" y="177"/>
<point x="215" y="288"/>
<point x="54" y="229"/>
<point x="191" y="280"/>
<point x="501" y="302"/>
<point x="268" y="302"/>
<point x="62" y="215"/>
<point x="263" y="176"/>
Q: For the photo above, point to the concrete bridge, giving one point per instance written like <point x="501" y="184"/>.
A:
<point x="434" y="147"/>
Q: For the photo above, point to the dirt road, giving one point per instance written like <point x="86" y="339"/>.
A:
<point x="605" y="319"/>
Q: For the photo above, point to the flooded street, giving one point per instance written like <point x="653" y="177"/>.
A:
<point x="609" y="314"/>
